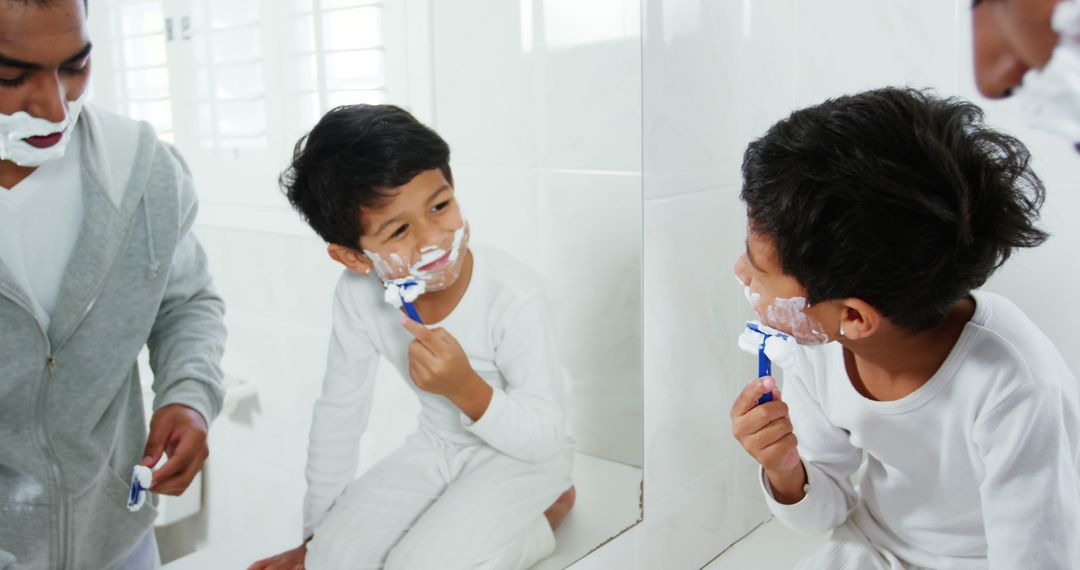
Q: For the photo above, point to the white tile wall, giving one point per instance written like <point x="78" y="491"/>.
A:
<point x="486" y="86"/>
<point x="546" y="143"/>
<point x="694" y="310"/>
<point x="590" y="105"/>
<point x="844" y="46"/>
<point x="688" y="96"/>
<point x="591" y="252"/>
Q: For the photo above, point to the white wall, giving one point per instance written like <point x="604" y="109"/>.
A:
<point x="716" y="75"/>
<point x="542" y="109"/>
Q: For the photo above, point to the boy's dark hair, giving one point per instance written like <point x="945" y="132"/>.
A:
<point x="894" y="196"/>
<point x="351" y="160"/>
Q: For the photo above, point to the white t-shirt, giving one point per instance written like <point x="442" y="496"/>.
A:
<point x="978" y="467"/>
<point x="40" y="219"/>
<point x="501" y="322"/>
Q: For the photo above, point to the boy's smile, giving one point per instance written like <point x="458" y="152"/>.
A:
<point x="437" y="264"/>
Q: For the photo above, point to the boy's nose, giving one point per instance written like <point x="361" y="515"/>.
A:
<point x="430" y="238"/>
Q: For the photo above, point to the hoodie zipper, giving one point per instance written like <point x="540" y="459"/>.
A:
<point x="54" y="462"/>
<point x="50" y="363"/>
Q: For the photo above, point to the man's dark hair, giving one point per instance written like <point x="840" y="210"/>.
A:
<point x="898" y="197"/>
<point x="351" y="160"/>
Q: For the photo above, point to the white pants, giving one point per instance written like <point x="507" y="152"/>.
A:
<point x="145" y="556"/>
<point x="849" y="549"/>
<point x="432" y="504"/>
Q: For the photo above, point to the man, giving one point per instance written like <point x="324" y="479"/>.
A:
<point x="96" y="261"/>
<point x="1031" y="48"/>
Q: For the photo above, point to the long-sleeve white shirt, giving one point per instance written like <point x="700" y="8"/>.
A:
<point x="501" y="322"/>
<point x="979" y="467"/>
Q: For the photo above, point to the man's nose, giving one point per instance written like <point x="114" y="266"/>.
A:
<point x="49" y="98"/>
<point x="997" y="79"/>
<point x="998" y="69"/>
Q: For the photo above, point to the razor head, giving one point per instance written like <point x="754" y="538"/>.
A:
<point x="767" y="331"/>
<point x="402" y="291"/>
<point x="141" y="477"/>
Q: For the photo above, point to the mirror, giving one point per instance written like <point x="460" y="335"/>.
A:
<point x="540" y="104"/>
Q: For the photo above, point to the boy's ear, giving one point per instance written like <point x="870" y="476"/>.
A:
<point x="858" y="319"/>
<point x="353" y="260"/>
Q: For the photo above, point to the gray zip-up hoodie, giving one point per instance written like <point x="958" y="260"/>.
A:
<point x="71" y="415"/>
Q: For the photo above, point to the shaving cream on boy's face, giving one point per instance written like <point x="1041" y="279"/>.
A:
<point x="1049" y="98"/>
<point x="437" y="266"/>
<point x="15" y="129"/>
<point x="786" y="314"/>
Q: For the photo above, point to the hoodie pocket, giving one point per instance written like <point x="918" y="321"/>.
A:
<point x="104" y="532"/>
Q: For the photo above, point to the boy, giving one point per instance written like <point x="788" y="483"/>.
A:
<point x="872" y="220"/>
<point x="469" y="489"/>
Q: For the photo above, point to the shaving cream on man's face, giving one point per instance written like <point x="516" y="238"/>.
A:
<point x="15" y="129"/>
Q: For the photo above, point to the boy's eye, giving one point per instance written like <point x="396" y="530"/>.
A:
<point x="400" y="231"/>
<point x="74" y="70"/>
<point x="440" y="206"/>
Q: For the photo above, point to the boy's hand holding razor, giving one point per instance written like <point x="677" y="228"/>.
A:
<point x="760" y="420"/>
<point x="439" y="365"/>
<point x="765" y="431"/>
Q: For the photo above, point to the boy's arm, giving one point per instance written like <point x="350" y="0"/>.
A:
<point x="1030" y="489"/>
<point x="525" y="421"/>
<point x="828" y="458"/>
<point x="341" y="413"/>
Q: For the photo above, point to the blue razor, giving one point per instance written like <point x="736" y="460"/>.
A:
<point x="411" y="311"/>
<point x="136" y="490"/>
<point x="764" y="365"/>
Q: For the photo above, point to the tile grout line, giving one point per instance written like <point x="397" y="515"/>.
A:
<point x="741" y="538"/>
